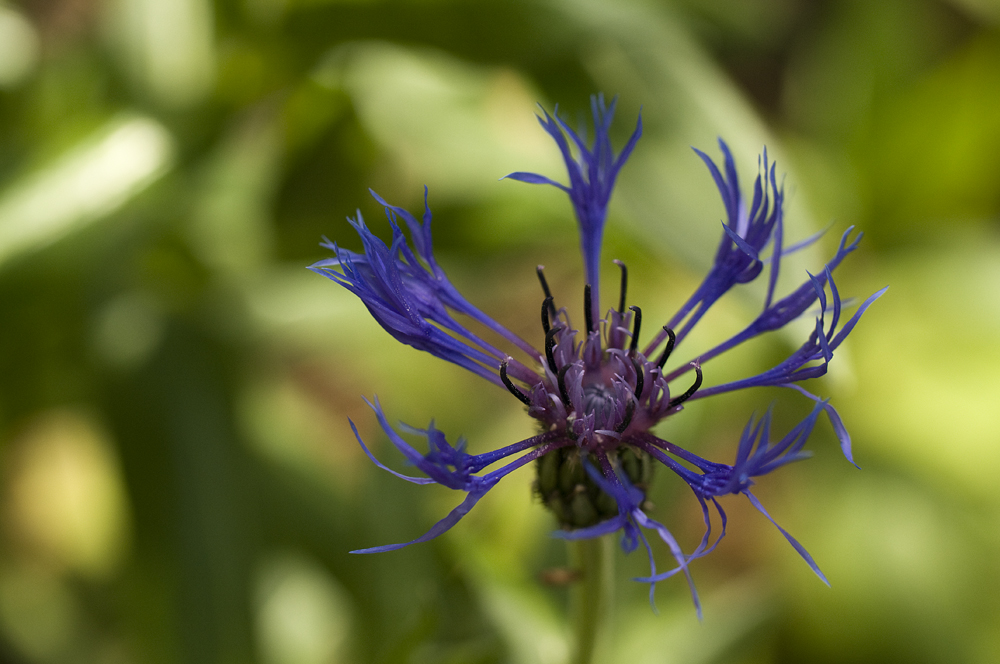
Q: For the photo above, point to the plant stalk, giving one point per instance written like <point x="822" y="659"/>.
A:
<point x="591" y="596"/>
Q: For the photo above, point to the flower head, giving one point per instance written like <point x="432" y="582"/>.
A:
<point x="594" y="393"/>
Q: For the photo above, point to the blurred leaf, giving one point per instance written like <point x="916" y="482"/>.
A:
<point x="18" y="47"/>
<point x="450" y="125"/>
<point x="934" y="151"/>
<point x="731" y="614"/>
<point x="168" y="47"/>
<point x="86" y="183"/>
<point x="303" y="616"/>
<point x="928" y="353"/>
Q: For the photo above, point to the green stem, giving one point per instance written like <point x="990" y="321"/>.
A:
<point x="591" y="595"/>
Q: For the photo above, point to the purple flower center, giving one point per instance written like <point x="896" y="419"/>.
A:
<point x="600" y="400"/>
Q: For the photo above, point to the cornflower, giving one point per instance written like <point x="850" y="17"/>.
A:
<point x="593" y="392"/>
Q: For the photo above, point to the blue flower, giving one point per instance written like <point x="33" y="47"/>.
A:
<point x="594" y="393"/>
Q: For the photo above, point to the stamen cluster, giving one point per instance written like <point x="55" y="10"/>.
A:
<point x="595" y="392"/>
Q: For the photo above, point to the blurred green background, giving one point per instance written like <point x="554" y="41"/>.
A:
<point x="179" y="481"/>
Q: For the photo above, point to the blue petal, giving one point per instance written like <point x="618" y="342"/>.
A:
<point x="838" y="424"/>
<point x="419" y="231"/>
<point x="819" y="289"/>
<point x="824" y="345"/>
<point x="779" y="238"/>
<point x="534" y="178"/>
<point x="750" y="234"/>
<point x="728" y="190"/>
<point x="412" y="302"/>
<point x="791" y="540"/>
<point x="612" y="525"/>
<point x="802" y="244"/>
<point x="794" y="368"/>
<point x="675" y="549"/>
<point x="459" y="478"/>
<point x="415" y="480"/>
<point x="740" y="242"/>
<point x="441" y="526"/>
<point x="782" y="312"/>
<point x="844" y="331"/>
<point x="591" y="180"/>
<point x="652" y="570"/>
<point x="835" y="297"/>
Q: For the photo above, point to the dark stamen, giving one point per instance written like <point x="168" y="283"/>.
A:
<point x="640" y="377"/>
<point x="545" y="289"/>
<point x="521" y="396"/>
<point x="671" y="339"/>
<point x="541" y="278"/>
<point x="629" y="412"/>
<point x="546" y="307"/>
<point x="635" y="330"/>
<point x="690" y="391"/>
<point x="624" y="287"/>
<point x="588" y="309"/>
<point x="550" y="343"/>
<point x="562" y="387"/>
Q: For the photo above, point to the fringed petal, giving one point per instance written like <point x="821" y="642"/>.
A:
<point x="439" y="528"/>
<point x="410" y="296"/>
<point x="791" y="540"/>
<point x="592" y="178"/>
